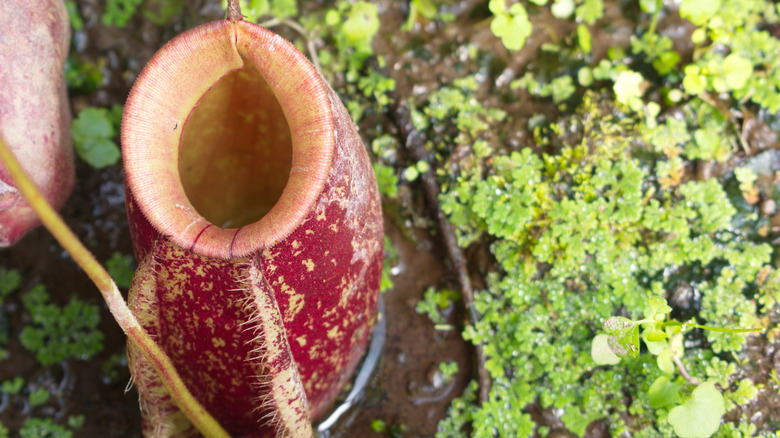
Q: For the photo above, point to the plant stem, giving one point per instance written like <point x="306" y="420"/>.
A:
<point x="654" y="22"/>
<point x="234" y="11"/>
<point x="683" y="371"/>
<point x="711" y="328"/>
<point x="199" y="417"/>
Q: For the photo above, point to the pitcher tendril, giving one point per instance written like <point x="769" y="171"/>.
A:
<point x="204" y="422"/>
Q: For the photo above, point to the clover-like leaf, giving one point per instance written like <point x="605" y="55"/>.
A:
<point x="700" y="415"/>
<point x="629" y="88"/>
<point x="699" y="11"/>
<point x="736" y="71"/>
<point x="92" y="134"/>
<point x="655" y="308"/>
<point x="623" y="336"/>
<point x="512" y="26"/>
<point x="362" y="22"/>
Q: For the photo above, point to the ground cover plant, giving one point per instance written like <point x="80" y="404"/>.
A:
<point x="609" y="172"/>
<point x="598" y="217"/>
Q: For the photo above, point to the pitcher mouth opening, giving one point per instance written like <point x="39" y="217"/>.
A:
<point x="235" y="151"/>
<point x="227" y="139"/>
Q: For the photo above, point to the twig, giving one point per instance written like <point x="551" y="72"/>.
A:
<point x="234" y="11"/>
<point x="413" y="142"/>
<point x="189" y="406"/>
<point x="683" y="371"/>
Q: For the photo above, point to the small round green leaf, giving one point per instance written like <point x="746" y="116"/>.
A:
<point x="663" y="392"/>
<point x="736" y="71"/>
<point x="700" y="415"/>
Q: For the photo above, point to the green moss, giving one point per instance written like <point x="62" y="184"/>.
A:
<point x="59" y="333"/>
<point x="434" y="302"/>
<point x="93" y="132"/>
<point x="121" y="268"/>
<point x="10" y="279"/>
<point x="581" y="233"/>
<point x="119" y="12"/>
<point x="43" y="428"/>
<point x="351" y="27"/>
<point x="39" y="397"/>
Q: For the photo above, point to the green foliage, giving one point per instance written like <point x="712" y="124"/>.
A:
<point x="459" y="415"/>
<point x="628" y="89"/>
<point x="119" y="12"/>
<point x="623" y="336"/>
<point x="11" y="387"/>
<point x="428" y="9"/>
<point x="448" y="369"/>
<point x="391" y="430"/>
<point x="387" y="180"/>
<point x="378" y="426"/>
<point x="160" y="12"/>
<point x="415" y="170"/>
<point x="76" y="421"/>
<point x="580" y="232"/>
<point x="391" y="258"/>
<point x="82" y="76"/>
<point x="10" y="280"/>
<point x="601" y="351"/>
<point x="739" y="28"/>
<point x="461" y="117"/>
<point x="76" y="23"/>
<point x="510" y="24"/>
<point x="700" y="415"/>
<point x="699" y="11"/>
<point x="589" y="11"/>
<point x="352" y="27"/>
<point x="59" y="333"/>
<point x="39" y="397"/>
<point x="375" y="85"/>
<point x="560" y="88"/>
<point x="747" y="183"/>
<point x="362" y="22"/>
<point x="93" y="132"/>
<point x="121" y="268"/>
<point x="434" y="302"/>
<point x="43" y="428"/>
<point x="657" y="50"/>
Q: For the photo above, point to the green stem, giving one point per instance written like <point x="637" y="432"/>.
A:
<point x="656" y="13"/>
<point x="711" y="328"/>
<point x="199" y="417"/>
